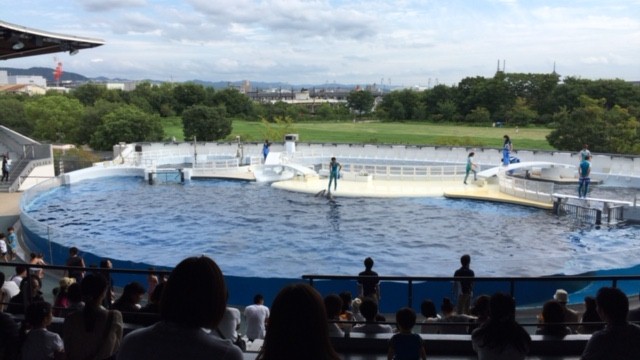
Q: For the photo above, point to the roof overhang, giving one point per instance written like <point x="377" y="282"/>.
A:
<point x="18" y="41"/>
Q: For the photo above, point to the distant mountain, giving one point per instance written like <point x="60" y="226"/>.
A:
<point x="46" y="73"/>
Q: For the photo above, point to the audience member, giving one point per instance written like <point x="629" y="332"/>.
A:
<point x="94" y="332"/>
<point x="501" y="337"/>
<point x="405" y="344"/>
<point x="21" y="273"/>
<point x="105" y="266"/>
<point x="463" y="288"/>
<point x="368" y="282"/>
<point x="480" y="310"/>
<point x="37" y="259"/>
<point x="40" y="343"/>
<point x="9" y="337"/>
<point x="257" y="316"/>
<point x="74" y="294"/>
<point x="333" y="306"/>
<point x="369" y="309"/>
<point x="152" y="282"/>
<point x="153" y="306"/>
<point x="4" y="252"/>
<point x="619" y="339"/>
<point x="552" y="320"/>
<point x="75" y="260"/>
<point x="12" y="243"/>
<point x="29" y="292"/>
<point x="570" y="315"/>
<point x="449" y="316"/>
<point x="345" y="313"/>
<point x="355" y="307"/>
<point x="194" y="297"/>
<point x="229" y="326"/>
<point x="297" y="327"/>
<point x="428" y="310"/>
<point x="9" y="289"/>
<point x="130" y="299"/>
<point x="61" y="294"/>
<point x="590" y="316"/>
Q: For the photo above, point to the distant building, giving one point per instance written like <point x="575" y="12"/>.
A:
<point x="27" y="80"/>
<point x="28" y="89"/>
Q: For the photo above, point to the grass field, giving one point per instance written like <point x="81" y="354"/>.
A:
<point x="390" y="133"/>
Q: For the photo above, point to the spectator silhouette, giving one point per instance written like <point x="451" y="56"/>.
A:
<point x="428" y="310"/>
<point x="333" y="306"/>
<point x="194" y="297"/>
<point x="369" y="309"/>
<point x="93" y="332"/>
<point x="570" y="315"/>
<point x="449" y="315"/>
<point x="405" y="344"/>
<point x="590" y="316"/>
<point x="464" y="288"/>
<point x="297" y="327"/>
<point x="257" y="316"/>
<point x="368" y="282"/>
<point x="619" y="339"/>
<point x="40" y="343"/>
<point x="501" y="337"/>
<point x="552" y="320"/>
<point x="634" y="314"/>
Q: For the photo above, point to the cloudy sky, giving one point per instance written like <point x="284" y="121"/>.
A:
<point x="402" y="43"/>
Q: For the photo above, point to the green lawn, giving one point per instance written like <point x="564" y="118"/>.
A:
<point x="391" y="133"/>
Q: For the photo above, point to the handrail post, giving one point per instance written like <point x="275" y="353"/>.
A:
<point x="512" y="287"/>
<point x="410" y="295"/>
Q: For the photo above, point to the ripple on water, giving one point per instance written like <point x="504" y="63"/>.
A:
<point x="254" y="230"/>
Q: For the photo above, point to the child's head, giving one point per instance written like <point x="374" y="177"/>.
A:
<point x="406" y="318"/>
<point x="369" y="309"/>
<point x="38" y="314"/>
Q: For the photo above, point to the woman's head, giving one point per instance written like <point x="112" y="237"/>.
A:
<point x="195" y="294"/>
<point x="428" y="309"/>
<point x="38" y="314"/>
<point x="297" y="326"/>
<point x="447" y="306"/>
<point x="94" y="288"/>
<point x="502" y="307"/>
<point x="552" y="312"/>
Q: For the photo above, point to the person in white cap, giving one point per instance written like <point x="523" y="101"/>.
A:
<point x="570" y="315"/>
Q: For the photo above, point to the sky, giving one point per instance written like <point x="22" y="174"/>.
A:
<point x="396" y="43"/>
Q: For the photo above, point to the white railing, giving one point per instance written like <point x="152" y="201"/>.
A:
<point x="526" y="189"/>
<point x="404" y="172"/>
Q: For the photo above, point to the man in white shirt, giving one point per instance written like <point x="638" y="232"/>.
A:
<point x="9" y="290"/>
<point x="257" y="316"/>
<point x="230" y="324"/>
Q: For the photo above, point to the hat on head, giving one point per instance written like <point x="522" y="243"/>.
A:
<point x="561" y="296"/>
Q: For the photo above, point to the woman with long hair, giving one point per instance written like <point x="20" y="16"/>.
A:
<point x="501" y="337"/>
<point x="194" y="298"/>
<point x="297" y="327"/>
<point x="93" y="332"/>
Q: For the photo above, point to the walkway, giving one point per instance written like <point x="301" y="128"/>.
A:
<point x="479" y="190"/>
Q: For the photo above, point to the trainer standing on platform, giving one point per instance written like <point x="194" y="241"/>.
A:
<point x="507" y="147"/>
<point x="584" y="170"/>
<point x="265" y="149"/>
<point x="334" y="174"/>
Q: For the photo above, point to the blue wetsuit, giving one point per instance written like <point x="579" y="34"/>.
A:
<point x="506" y="149"/>
<point x="334" y="171"/>
<point x="585" y="180"/>
<point x="265" y="150"/>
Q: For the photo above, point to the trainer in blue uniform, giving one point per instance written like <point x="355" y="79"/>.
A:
<point x="507" y="147"/>
<point x="334" y="173"/>
<point x="584" y="170"/>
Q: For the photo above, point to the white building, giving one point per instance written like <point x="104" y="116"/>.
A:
<point x="27" y="80"/>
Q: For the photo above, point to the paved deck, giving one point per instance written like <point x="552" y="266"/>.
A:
<point x="479" y="190"/>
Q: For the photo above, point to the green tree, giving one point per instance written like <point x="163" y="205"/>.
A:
<point x="89" y="93"/>
<point x="12" y="115"/>
<point x="126" y="124"/>
<point x="92" y="119"/>
<point x="56" y="117"/>
<point x="276" y="130"/>
<point x="188" y="94"/>
<point x="520" y="114"/>
<point x="360" y="101"/>
<point x="235" y="103"/>
<point x="205" y="123"/>
<point x="324" y="111"/>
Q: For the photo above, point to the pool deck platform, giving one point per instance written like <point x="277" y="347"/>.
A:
<point x="473" y="190"/>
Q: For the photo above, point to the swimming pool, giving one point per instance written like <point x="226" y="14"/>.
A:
<point x="254" y="230"/>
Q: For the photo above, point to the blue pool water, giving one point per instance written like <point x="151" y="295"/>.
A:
<point x="253" y="230"/>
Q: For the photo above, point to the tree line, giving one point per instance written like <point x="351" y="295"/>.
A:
<point x="601" y="113"/>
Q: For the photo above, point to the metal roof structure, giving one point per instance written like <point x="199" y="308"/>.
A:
<point x="19" y="41"/>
